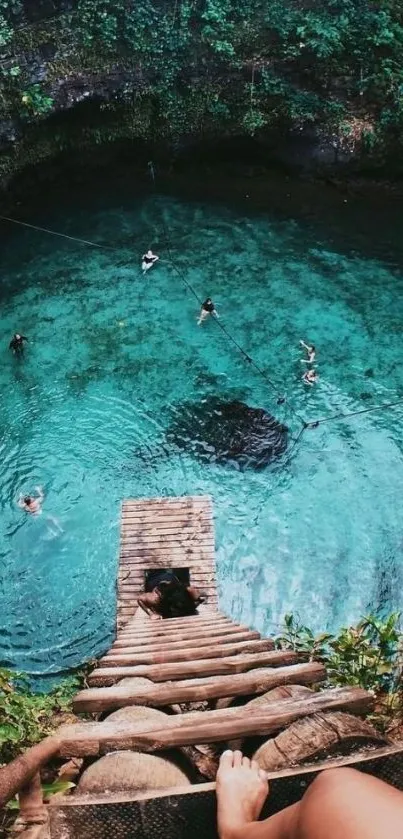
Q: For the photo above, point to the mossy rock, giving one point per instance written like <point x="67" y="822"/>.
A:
<point x="131" y="772"/>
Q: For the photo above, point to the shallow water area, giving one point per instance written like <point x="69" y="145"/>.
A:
<point x="113" y="355"/>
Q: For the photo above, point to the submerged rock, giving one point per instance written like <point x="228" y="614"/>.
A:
<point x="228" y="432"/>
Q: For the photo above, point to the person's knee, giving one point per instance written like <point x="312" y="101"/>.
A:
<point x="331" y="785"/>
<point x="334" y="779"/>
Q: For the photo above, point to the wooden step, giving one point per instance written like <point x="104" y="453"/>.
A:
<point x="193" y="669"/>
<point x="95" y="700"/>
<point x="192" y="620"/>
<point x="192" y="654"/>
<point x="131" y="647"/>
<point x="208" y="726"/>
<point x="162" y="627"/>
<point x="186" y="635"/>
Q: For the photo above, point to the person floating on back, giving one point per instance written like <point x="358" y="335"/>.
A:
<point x="310" y="377"/>
<point x="147" y="260"/>
<point x="17" y="343"/>
<point x="32" y="504"/>
<point x="311" y="353"/>
<point x="207" y="308"/>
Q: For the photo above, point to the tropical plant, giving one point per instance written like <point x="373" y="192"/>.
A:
<point x="27" y="717"/>
<point x="369" y="655"/>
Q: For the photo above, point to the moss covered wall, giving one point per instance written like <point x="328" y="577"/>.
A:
<point x="328" y="75"/>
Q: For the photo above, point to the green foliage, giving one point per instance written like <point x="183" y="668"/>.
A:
<point x="35" y="102"/>
<point x="25" y="717"/>
<point x="368" y="655"/>
<point x="48" y="790"/>
<point x="190" y="63"/>
<point x="300" y="638"/>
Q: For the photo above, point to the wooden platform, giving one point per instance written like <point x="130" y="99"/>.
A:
<point x="164" y="533"/>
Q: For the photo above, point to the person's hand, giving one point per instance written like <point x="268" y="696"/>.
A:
<point x="155" y="617"/>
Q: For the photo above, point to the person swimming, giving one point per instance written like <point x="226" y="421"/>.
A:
<point x="148" y="260"/>
<point x="32" y="504"/>
<point x="311" y="350"/>
<point x="17" y="343"/>
<point x="207" y="308"/>
<point x="310" y="377"/>
<point x="166" y="597"/>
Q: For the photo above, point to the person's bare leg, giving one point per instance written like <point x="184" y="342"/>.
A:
<point x="339" y="804"/>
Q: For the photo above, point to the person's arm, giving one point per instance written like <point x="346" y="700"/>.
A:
<point x="11" y="344"/>
<point x="303" y="344"/>
<point x="41" y="494"/>
<point x="155" y="257"/>
<point x="147" y="605"/>
<point x="24" y="337"/>
<point x="196" y="595"/>
<point x="20" y="502"/>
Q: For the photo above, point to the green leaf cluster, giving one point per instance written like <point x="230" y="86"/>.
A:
<point x="27" y="717"/>
<point x="235" y="66"/>
<point x="368" y="655"/>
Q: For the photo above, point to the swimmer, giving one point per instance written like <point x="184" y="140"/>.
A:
<point x="17" y="343"/>
<point x="32" y="504"/>
<point x="207" y="308"/>
<point x="310" y="377"/>
<point x="311" y="353"/>
<point x="148" y="259"/>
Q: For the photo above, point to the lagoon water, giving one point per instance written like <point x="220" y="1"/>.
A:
<point x="112" y="357"/>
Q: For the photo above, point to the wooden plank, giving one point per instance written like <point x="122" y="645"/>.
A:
<point x="104" y="676"/>
<point x="184" y="556"/>
<point x="157" y="628"/>
<point x="167" y="501"/>
<point x="190" y="620"/>
<point x="207" y="726"/>
<point x="133" y="648"/>
<point x="134" y="544"/>
<point x="117" y="659"/>
<point x="95" y="700"/>
<point x="185" y="634"/>
<point x="158" y="533"/>
<point x="147" y="517"/>
<point x="171" y="624"/>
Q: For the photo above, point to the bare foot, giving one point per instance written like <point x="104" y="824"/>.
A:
<point x="242" y="789"/>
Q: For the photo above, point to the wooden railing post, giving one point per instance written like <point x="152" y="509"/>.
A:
<point x="19" y="772"/>
<point x="32" y="808"/>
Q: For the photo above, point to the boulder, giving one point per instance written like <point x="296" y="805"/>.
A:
<point x="128" y="771"/>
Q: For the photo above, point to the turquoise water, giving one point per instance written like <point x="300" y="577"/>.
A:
<point x="113" y="355"/>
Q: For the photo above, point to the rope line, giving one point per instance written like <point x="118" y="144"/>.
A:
<point x="386" y="406"/>
<point x="57" y="233"/>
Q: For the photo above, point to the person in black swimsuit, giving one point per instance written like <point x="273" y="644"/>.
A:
<point x="207" y="308"/>
<point x="148" y="259"/>
<point x="17" y="343"/>
<point x="166" y="597"/>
